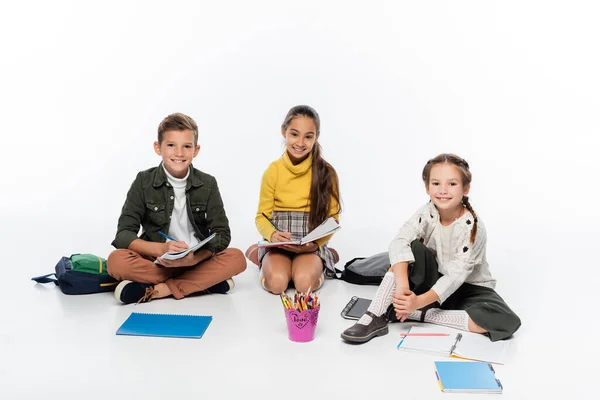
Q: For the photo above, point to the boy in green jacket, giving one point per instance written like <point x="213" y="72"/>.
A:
<point x="177" y="206"/>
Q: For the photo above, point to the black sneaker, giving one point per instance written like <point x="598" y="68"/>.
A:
<point x="222" y="287"/>
<point x="133" y="292"/>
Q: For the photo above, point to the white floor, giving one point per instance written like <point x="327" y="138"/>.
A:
<point x="512" y="88"/>
<point x="65" y="346"/>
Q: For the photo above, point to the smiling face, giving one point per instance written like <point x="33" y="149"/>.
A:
<point x="300" y="138"/>
<point x="177" y="150"/>
<point x="445" y="188"/>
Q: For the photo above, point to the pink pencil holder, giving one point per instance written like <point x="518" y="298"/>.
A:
<point x="302" y="324"/>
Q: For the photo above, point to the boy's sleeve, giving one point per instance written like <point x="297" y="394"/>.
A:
<point x="266" y="202"/>
<point x="131" y="216"/>
<point x="412" y="229"/>
<point x="465" y="258"/>
<point x="217" y="221"/>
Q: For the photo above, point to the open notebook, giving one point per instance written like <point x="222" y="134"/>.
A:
<point x="180" y="254"/>
<point x="329" y="226"/>
<point x="465" y="345"/>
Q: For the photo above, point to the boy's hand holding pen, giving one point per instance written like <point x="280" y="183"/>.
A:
<point x="172" y="245"/>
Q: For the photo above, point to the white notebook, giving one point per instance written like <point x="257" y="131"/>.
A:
<point x="466" y="345"/>
<point x="180" y="254"/>
<point x="328" y="227"/>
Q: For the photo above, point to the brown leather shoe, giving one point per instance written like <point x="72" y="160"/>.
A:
<point x="359" y="333"/>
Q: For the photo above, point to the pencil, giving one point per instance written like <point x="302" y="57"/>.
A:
<point x="272" y="223"/>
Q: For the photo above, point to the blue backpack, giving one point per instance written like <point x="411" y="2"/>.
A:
<point x="80" y="274"/>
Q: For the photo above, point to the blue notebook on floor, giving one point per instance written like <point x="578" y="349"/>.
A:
<point x="167" y="325"/>
<point x="467" y="377"/>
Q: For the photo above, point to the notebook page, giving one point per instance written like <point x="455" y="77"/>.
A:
<point x="474" y="346"/>
<point x="329" y="226"/>
<point x="439" y="345"/>
<point x="265" y="243"/>
<point x="181" y="254"/>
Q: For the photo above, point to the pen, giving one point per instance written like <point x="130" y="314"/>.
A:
<point x="167" y="236"/>
<point x="458" y="339"/>
<point x="272" y="223"/>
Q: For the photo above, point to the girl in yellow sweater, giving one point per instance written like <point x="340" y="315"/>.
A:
<point x="298" y="192"/>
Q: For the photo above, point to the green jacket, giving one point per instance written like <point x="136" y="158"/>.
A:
<point x="150" y="202"/>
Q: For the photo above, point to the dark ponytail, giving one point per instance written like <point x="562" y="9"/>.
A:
<point x="323" y="187"/>
<point x="324" y="184"/>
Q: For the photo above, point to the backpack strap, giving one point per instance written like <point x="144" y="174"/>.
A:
<point x="45" y="279"/>
<point x="339" y="273"/>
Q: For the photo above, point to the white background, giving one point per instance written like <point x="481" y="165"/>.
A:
<point x="511" y="86"/>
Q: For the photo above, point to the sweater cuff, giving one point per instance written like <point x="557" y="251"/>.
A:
<point x="441" y="289"/>
<point x="404" y="255"/>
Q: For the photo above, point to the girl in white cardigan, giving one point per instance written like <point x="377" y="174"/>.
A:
<point x="439" y="271"/>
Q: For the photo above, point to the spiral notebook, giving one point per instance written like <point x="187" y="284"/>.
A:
<point x="467" y="377"/>
<point x="456" y="344"/>
<point x="180" y="254"/>
<point x="165" y="325"/>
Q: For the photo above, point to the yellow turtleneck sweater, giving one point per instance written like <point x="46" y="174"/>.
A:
<point x="286" y="187"/>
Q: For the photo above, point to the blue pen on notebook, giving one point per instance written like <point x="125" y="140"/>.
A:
<point x="167" y="236"/>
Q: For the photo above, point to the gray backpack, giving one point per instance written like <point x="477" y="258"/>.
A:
<point x="365" y="270"/>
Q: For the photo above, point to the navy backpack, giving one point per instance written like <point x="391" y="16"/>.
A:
<point x="80" y="274"/>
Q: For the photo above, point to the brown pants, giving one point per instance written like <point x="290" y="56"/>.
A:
<point x="125" y="264"/>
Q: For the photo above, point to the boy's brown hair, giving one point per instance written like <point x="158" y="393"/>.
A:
<point x="177" y="122"/>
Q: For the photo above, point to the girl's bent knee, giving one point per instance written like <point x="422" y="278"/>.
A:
<point x="306" y="282"/>
<point x="276" y="285"/>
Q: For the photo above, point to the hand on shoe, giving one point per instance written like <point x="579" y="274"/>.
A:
<point x="405" y="301"/>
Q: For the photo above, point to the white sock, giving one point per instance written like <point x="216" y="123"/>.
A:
<point x="261" y="279"/>
<point x="458" y="319"/>
<point x="382" y="300"/>
<point x="415" y="315"/>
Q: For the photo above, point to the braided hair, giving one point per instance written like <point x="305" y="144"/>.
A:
<point x="463" y="166"/>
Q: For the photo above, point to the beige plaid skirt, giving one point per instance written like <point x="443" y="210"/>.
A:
<point x="296" y="222"/>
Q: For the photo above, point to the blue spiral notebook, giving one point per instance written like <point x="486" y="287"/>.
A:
<point x="166" y="325"/>
<point x="467" y="377"/>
